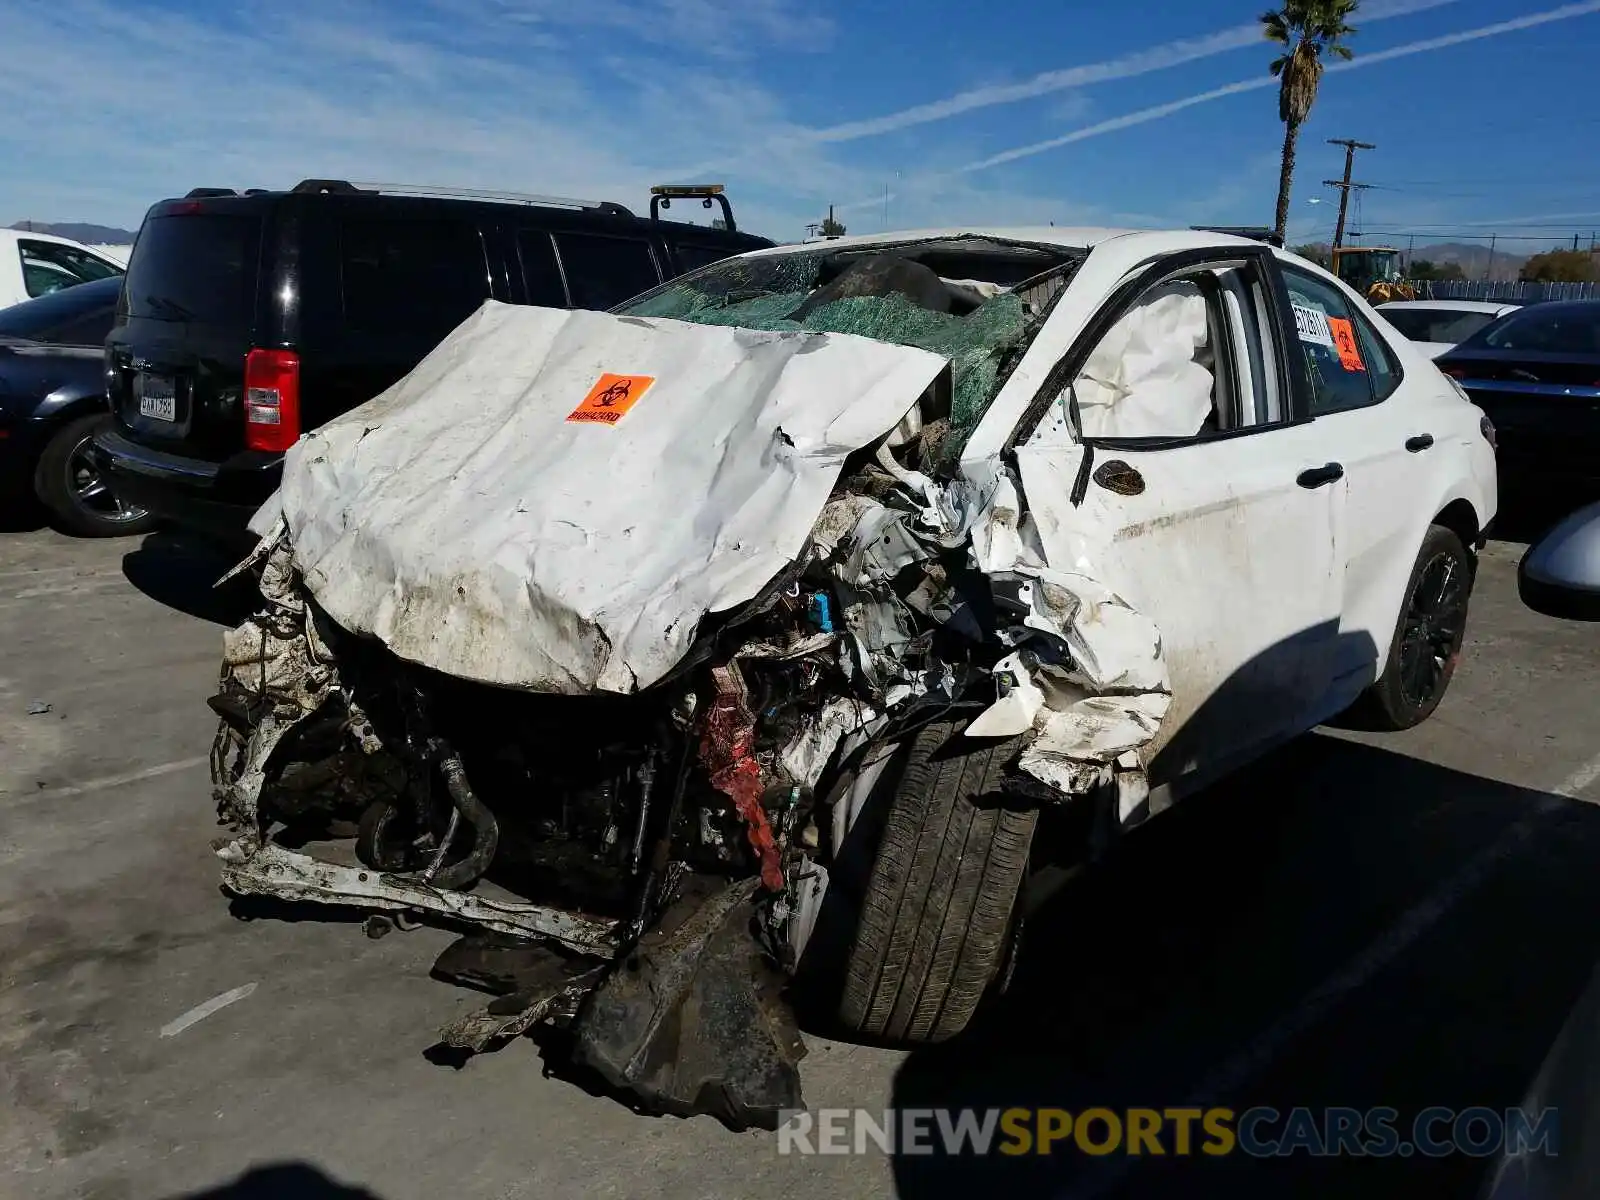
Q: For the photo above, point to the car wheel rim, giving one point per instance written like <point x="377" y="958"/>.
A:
<point x="1434" y="623"/>
<point x="89" y="490"/>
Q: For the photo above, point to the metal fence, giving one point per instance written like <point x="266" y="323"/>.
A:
<point x="1489" y="289"/>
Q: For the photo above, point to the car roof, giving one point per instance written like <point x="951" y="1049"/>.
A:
<point x="15" y="235"/>
<point x="1068" y="237"/>
<point x="600" y="212"/>
<point x="1478" y="306"/>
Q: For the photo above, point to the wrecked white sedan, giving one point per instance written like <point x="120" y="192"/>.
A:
<point x="788" y="598"/>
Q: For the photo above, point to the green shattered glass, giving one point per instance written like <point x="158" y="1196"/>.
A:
<point x="975" y="344"/>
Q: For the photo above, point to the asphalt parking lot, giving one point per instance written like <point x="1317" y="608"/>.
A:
<point x="1359" y="920"/>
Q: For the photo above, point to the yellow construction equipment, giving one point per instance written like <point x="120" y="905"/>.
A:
<point x="1374" y="271"/>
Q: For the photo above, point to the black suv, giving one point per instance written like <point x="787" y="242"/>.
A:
<point x="247" y="319"/>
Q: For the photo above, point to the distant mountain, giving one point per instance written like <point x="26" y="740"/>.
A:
<point x="1472" y="259"/>
<point x="81" y="231"/>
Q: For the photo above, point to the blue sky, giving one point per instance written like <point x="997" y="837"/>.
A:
<point x="1077" y="112"/>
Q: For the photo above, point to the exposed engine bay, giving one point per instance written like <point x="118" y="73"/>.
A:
<point x="634" y="793"/>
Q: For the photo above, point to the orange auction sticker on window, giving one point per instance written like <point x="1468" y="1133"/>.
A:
<point x="1345" y="344"/>
<point x="611" y="397"/>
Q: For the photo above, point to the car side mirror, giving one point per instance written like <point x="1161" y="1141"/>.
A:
<point x="1560" y="574"/>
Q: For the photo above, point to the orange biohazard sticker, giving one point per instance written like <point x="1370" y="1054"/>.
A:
<point x="1345" y="344"/>
<point x="610" y="398"/>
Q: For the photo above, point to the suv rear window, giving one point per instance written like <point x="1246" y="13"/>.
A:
<point x="603" y="271"/>
<point x="411" y="276"/>
<point x="196" y="267"/>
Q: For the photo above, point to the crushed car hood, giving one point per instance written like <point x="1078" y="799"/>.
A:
<point x="552" y="501"/>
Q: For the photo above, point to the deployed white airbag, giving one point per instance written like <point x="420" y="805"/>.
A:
<point x="553" y="500"/>
<point x="1143" y="379"/>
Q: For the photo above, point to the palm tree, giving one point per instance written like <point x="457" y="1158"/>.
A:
<point x="1307" y="29"/>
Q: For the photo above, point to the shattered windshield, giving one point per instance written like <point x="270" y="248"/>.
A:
<point x="975" y="301"/>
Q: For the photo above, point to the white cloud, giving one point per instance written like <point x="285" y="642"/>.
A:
<point x="734" y="28"/>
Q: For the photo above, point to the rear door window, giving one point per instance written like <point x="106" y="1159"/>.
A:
<point x="196" y="267"/>
<point x="1330" y="344"/>
<point x="602" y="271"/>
<point x="541" y="273"/>
<point x="411" y="277"/>
<point x="49" y="266"/>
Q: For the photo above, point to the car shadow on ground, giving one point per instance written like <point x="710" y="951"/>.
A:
<point x="1339" y="925"/>
<point x="20" y="511"/>
<point x="181" y="572"/>
<point x="282" y="1181"/>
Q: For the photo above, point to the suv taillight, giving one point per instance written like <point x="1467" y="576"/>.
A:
<point x="271" y="399"/>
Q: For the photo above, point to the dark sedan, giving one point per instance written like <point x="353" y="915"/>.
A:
<point x="52" y="399"/>
<point x="1536" y="375"/>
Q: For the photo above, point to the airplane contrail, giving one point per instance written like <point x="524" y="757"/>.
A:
<point x="1156" y="112"/>
<point x="1151" y="59"/>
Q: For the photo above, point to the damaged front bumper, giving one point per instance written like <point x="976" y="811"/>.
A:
<point x="667" y="848"/>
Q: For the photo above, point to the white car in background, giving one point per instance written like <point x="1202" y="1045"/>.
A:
<point x="36" y="264"/>
<point x="1435" y="326"/>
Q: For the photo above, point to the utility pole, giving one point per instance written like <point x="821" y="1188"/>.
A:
<point x="1488" y="270"/>
<point x="1344" y="185"/>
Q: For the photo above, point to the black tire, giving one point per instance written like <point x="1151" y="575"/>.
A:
<point x="73" y="492"/>
<point x="935" y="922"/>
<point x="1427" y="637"/>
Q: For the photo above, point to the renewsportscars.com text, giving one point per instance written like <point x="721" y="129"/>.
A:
<point x="1260" y="1132"/>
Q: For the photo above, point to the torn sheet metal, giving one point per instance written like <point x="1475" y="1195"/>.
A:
<point x="481" y="518"/>
<point x="1087" y="681"/>
<point x="696" y="1021"/>
<point x="269" y="870"/>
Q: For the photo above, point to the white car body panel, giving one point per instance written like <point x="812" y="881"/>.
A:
<point x="12" y="288"/>
<point x="1274" y="602"/>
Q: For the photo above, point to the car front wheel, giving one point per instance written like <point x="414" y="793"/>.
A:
<point x="76" y="493"/>
<point x="936" y="921"/>
<point x="1427" y="639"/>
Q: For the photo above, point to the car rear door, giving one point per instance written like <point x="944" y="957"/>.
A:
<point x="1373" y="422"/>
<point x="1225" y="531"/>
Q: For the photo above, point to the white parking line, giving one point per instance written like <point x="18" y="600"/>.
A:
<point x="1580" y="779"/>
<point x="95" y="785"/>
<point x="201" y="1011"/>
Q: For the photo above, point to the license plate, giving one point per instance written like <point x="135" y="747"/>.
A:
<point x="157" y="399"/>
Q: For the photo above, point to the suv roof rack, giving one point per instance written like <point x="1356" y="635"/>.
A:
<point x="344" y="187"/>
<point x="1256" y="233"/>
<point x="199" y="193"/>
<point x="663" y="194"/>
